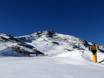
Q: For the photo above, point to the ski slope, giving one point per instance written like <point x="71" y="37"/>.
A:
<point x="66" y="56"/>
<point x="75" y="64"/>
<point x="49" y="67"/>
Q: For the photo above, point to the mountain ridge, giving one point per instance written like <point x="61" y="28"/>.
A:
<point x="45" y="43"/>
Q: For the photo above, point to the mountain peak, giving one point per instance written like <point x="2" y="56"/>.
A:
<point x="44" y="42"/>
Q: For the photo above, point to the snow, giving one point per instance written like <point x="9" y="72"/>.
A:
<point x="69" y="58"/>
<point x="5" y="45"/>
<point x="48" y="67"/>
<point x="74" y="64"/>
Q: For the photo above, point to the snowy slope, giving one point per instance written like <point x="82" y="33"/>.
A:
<point x="59" y="44"/>
<point x="49" y="67"/>
<point x="49" y="43"/>
<point x="66" y="56"/>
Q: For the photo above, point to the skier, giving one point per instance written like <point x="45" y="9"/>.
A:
<point x="94" y="49"/>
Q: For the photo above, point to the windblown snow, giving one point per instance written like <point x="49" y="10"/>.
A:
<point x="64" y="56"/>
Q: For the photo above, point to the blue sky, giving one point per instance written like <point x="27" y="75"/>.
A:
<point x="81" y="18"/>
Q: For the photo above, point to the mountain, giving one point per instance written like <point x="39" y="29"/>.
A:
<point x="48" y="43"/>
<point x="58" y="56"/>
<point x="15" y="46"/>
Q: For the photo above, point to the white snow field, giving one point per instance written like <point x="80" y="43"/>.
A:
<point x="65" y="57"/>
<point x="50" y="67"/>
